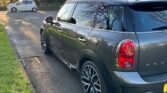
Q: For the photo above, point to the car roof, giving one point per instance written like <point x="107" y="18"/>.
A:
<point x="122" y="2"/>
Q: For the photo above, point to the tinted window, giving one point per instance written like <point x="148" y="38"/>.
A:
<point x="27" y="2"/>
<point x="24" y="2"/>
<point x="149" y="20"/>
<point x="84" y="14"/>
<point x="108" y="17"/>
<point x="65" y="12"/>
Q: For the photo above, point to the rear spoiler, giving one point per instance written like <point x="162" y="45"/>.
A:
<point x="148" y="5"/>
<point x="134" y="2"/>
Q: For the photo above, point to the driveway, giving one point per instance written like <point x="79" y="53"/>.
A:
<point x="46" y="72"/>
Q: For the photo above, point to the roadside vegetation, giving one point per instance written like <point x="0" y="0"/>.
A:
<point x="12" y="77"/>
<point x="3" y="18"/>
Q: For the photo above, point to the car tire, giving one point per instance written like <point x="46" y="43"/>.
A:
<point x="34" y="9"/>
<point x="92" y="80"/>
<point x="13" y="9"/>
<point x="44" y="43"/>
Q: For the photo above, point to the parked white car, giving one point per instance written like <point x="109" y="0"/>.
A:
<point x="23" y="5"/>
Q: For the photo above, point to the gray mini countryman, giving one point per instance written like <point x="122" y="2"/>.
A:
<point x="117" y="46"/>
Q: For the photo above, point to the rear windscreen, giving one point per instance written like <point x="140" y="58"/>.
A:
<point x="149" y="18"/>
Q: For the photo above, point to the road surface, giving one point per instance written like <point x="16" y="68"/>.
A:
<point x="47" y="74"/>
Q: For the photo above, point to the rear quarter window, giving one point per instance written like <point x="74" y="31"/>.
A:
<point x="108" y="17"/>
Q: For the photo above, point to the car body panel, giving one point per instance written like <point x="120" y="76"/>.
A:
<point x="74" y="41"/>
<point x="54" y="38"/>
<point x="132" y="82"/>
<point x="152" y="59"/>
<point x="108" y="43"/>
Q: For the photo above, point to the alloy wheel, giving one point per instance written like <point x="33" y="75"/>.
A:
<point x="34" y="9"/>
<point x="13" y="9"/>
<point x="90" y="80"/>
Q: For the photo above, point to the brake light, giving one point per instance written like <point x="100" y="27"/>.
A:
<point x="126" y="53"/>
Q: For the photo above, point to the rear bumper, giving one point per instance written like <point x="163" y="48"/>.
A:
<point x="132" y="82"/>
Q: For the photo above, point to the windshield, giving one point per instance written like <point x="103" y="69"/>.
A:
<point x="149" y="19"/>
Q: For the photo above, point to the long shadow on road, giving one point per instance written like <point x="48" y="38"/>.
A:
<point x="46" y="72"/>
<point x="51" y="76"/>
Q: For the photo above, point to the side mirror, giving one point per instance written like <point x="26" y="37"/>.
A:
<point x="49" y="19"/>
<point x="72" y="20"/>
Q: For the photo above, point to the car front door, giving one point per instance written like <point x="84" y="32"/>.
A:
<point x="22" y="6"/>
<point x="18" y="5"/>
<point x="76" y="32"/>
<point x="56" y="29"/>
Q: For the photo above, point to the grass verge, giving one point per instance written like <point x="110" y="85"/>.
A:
<point x="12" y="78"/>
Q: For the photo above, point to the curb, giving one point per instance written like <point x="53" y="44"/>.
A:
<point x="20" y="62"/>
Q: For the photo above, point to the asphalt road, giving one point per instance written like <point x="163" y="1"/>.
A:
<point x="47" y="74"/>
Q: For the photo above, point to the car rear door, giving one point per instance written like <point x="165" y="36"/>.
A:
<point x="76" y="32"/>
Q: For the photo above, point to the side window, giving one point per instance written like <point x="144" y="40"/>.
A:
<point x="84" y="14"/>
<point x="29" y="2"/>
<point x="24" y="2"/>
<point x="65" y="12"/>
<point x="108" y="17"/>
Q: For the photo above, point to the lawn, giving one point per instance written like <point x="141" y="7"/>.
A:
<point x="12" y="77"/>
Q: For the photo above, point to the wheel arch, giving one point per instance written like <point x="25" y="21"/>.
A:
<point x="88" y="55"/>
<point x="13" y="8"/>
<point x="34" y="8"/>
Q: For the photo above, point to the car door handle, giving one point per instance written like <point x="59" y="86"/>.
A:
<point x="82" y="39"/>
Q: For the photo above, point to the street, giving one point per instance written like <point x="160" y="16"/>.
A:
<point x="46" y="73"/>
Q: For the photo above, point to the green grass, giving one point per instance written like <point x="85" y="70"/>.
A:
<point x="2" y="8"/>
<point x="12" y="78"/>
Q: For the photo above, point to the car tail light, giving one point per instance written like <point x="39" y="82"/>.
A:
<point x="126" y="53"/>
